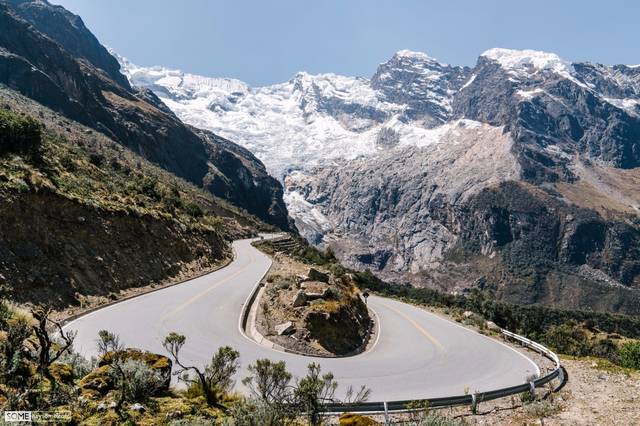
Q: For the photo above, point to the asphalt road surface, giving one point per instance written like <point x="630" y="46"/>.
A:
<point x="417" y="354"/>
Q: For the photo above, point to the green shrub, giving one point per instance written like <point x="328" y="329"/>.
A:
<point x="67" y="162"/>
<point x="171" y="199"/>
<point x="148" y="186"/>
<point x="568" y="339"/>
<point x="433" y="419"/>
<point x="253" y="411"/>
<point x="19" y="134"/>
<point x="193" y="210"/>
<point x="605" y="348"/>
<point x="137" y="380"/>
<point x="629" y="355"/>
<point x="96" y="159"/>
<point x="337" y="269"/>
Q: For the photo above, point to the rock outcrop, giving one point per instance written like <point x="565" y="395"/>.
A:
<point x="325" y="318"/>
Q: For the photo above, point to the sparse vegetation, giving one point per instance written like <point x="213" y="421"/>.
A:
<point x="88" y="192"/>
<point x="540" y="410"/>
<point x="128" y="386"/>
<point x="216" y="378"/>
<point x="19" y="134"/>
<point x="629" y="355"/>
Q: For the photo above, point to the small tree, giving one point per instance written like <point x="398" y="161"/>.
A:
<point x="269" y="381"/>
<point x="109" y="343"/>
<point x="313" y="392"/>
<point x="15" y="330"/>
<point x="217" y="377"/>
<point x="50" y="351"/>
<point x="272" y="395"/>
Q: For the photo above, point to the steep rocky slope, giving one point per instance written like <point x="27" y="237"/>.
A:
<point x="516" y="176"/>
<point x="82" y="217"/>
<point x="47" y="54"/>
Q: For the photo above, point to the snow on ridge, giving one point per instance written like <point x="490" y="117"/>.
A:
<point x="629" y="105"/>
<point x="405" y="53"/>
<point x="519" y="60"/>
<point x="468" y="83"/>
<point x="350" y="89"/>
<point x="177" y="83"/>
<point x="523" y="63"/>
<point x="529" y="94"/>
<point x="284" y="124"/>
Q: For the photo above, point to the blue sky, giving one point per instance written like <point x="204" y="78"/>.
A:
<point x="265" y="42"/>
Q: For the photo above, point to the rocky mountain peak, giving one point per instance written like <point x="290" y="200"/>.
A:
<point x="413" y="55"/>
<point x="69" y="30"/>
<point x="421" y="83"/>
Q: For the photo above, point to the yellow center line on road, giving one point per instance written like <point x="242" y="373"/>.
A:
<point x="424" y="332"/>
<point x="207" y="291"/>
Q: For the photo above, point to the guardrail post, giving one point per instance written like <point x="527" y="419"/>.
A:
<point x="532" y="390"/>
<point x="474" y="403"/>
<point x="386" y="414"/>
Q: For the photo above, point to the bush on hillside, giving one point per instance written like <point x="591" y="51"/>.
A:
<point x="193" y="209"/>
<point x="141" y="380"/>
<point x="629" y="355"/>
<point x="19" y="134"/>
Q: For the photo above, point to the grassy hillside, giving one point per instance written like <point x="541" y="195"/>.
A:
<point x="81" y="215"/>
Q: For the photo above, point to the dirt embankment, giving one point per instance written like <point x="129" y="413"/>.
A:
<point x="61" y="252"/>
<point x="311" y="311"/>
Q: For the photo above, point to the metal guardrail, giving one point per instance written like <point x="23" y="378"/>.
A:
<point x="468" y="399"/>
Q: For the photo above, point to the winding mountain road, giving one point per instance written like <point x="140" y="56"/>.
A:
<point x="417" y="354"/>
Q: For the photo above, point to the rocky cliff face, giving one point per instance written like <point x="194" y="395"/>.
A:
<point x="523" y="194"/>
<point x="421" y="84"/>
<point x="47" y="54"/>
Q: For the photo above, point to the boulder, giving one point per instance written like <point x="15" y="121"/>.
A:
<point x="492" y="326"/>
<point x="97" y="383"/>
<point x="285" y="328"/>
<point x="300" y="299"/>
<point x="349" y="419"/>
<point x="315" y="275"/>
<point x="467" y="314"/>
<point x="312" y="295"/>
<point x="62" y="372"/>
<point x="138" y="407"/>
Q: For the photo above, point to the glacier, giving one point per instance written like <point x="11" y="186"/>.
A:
<point x="308" y="121"/>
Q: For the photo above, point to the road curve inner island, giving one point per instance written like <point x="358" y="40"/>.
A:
<point x="417" y="355"/>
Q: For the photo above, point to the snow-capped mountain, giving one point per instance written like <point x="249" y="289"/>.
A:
<point x="518" y="175"/>
<point x="314" y="119"/>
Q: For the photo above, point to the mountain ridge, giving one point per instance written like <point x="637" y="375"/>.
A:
<point x="395" y="175"/>
<point x="59" y="63"/>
